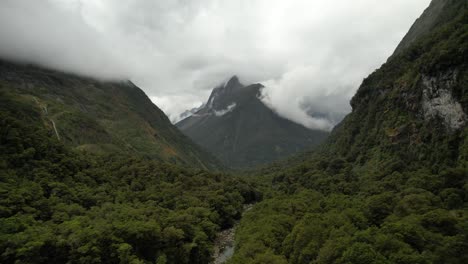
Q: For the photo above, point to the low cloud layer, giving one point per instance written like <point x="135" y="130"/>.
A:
<point x="310" y="55"/>
<point x="310" y="96"/>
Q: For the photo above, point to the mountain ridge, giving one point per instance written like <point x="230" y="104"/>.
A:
<point x="101" y="116"/>
<point x="242" y="131"/>
<point x="437" y="13"/>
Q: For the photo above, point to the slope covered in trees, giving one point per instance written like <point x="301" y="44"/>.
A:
<point x="101" y="116"/>
<point x="391" y="183"/>
<point x="389" y="186"/>
<point x="61" y="205"/>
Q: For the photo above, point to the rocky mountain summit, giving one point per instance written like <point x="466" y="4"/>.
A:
<point x="242" y="131"/>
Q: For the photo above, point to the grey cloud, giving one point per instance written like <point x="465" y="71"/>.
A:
<point x="41" y="32"/>
<point x="311" y="55"/>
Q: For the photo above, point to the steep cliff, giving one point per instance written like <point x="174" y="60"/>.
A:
<point x="414" y="108"/>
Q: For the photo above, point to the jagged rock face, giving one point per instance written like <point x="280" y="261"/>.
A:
<point x="220" y="94"/>
<point x="438" y="101"/>
<point x="238" y="128"/>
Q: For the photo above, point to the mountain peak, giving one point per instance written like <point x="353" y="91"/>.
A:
<point x="232" y="83"/>
<point x="234" y="80"/>
<point x="242" y="131"/>
<point x="223" y="91"/>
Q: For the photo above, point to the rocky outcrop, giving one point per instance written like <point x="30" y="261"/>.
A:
<point x="438" y="101"/>
<point x="417" y="101"/>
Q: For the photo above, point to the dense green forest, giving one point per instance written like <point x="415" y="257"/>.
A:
<point x="391" y="184"/>
<point x="329" y="212"/>
<point x="58" y="205"/>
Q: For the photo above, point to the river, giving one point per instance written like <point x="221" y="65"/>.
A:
<point x="224" y="243"/>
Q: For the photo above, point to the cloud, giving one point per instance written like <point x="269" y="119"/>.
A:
<point x="306" y="52"/>
<point x="45" y="33"/>
<point x="310" y="96"/>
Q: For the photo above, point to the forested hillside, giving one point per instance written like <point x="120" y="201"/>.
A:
<point x="59" y="205"/>
<point x="93" y="172"/>
<point x="391" y="183"/>
<point x="100" y="116"/>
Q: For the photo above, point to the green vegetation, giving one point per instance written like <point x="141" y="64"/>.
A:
<point x="101" y="117"/>
<point x="390" y="185"/>
<point x="60" y="205"/>
<point x="330" y="212"/>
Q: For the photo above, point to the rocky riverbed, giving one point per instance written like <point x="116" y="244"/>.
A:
<point x="224" y="243"/>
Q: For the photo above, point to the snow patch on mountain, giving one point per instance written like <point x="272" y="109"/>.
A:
<point x="222" y="112"/>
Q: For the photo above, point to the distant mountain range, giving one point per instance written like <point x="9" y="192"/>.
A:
<point x="237" y="127"/>
<point x="189" y="112"/>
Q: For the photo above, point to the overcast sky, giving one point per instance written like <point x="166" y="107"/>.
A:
<point x="310" y="54"/>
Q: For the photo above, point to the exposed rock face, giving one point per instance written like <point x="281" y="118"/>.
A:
<point x="438" y="101"/>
